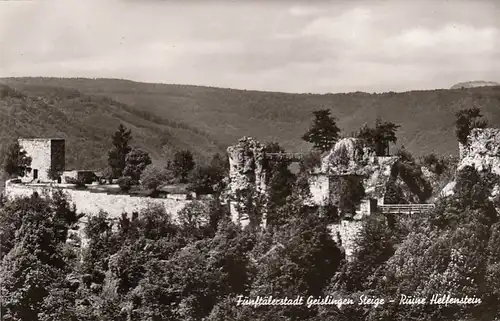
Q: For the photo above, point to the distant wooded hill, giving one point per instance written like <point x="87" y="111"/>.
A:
<point x="477" y="83"/>
<point x="206" y="120"/>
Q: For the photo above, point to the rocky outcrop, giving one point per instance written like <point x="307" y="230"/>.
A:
<point x="482" y="150"/>
<point x="247" y="177"/>
<point x="347" y="157"/>
<point x="350" y="158"/>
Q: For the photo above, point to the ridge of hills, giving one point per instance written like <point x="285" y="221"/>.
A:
<point x="87" y="123"/>
<point x="207" y="119"/>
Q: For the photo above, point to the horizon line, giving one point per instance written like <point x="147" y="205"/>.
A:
<point x="254" y="90"/>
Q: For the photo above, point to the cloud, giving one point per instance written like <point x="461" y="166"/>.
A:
<point x="319" y="46"/>
<point x="304" y="10"/>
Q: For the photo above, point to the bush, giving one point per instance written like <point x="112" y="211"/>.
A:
<point x="153" y="177"/>
<point x="125" y="183"/>
<point x="206" y="180"/>
<point x="434" y="164"/>
<point x="77" y="182"/>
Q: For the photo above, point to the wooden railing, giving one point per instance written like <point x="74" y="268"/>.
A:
<point x="405" y="208"/>
<point x="290" y="156"/>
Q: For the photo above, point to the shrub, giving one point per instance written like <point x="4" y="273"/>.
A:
<point x="125" y="183"/>
<point x="434" y="164"/>
<point x="206" y="180"/>
<point x="54" y="174"/>
<point x="153" y="177"/>
<point x="79" y="184"/>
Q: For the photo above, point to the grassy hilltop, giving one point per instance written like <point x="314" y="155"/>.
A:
<point x="205" y="119"/>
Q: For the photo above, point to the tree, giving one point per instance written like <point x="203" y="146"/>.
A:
<point x="35" y="261"/>
<point x="135" y="162"/>
<point x="299" y="257"/>
<point x="379" y="137"/>
<point x="206" y="179"/>
<point x="118" y="153"/>
<point x="220" y="162"/>
<point x="209" y="179"/>
<point x="153" y="177"/>
<point x="194" y="217"/>
<point x="182" y="164"/>
<point x="280" y="180"/>
<point x="16" y="162"/>
<point x="466" y="120"/>
<point x="324" y="131"/>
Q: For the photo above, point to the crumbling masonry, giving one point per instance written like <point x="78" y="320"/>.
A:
<point x="248" y="187"/>
<point x="348" y="158"/>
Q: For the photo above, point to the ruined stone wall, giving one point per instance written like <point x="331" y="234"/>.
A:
<point x="482" y="150"/>
<point x="348" y="232"/>
<point x="375" y="171"/>
<point x="92" y="202"/>
<point x="319" y="186"/>
<point x="247" y="176"/>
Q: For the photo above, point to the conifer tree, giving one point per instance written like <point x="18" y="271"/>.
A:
<point x="118" y="153"/>
<point x="324" y="131"/>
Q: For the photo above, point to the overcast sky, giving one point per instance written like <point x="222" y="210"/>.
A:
<point x="308" y="46"/>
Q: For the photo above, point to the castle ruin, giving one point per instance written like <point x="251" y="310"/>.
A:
<point x="482" y="150"/>
<point x="349" y="158"/>
<point x="47" y="154"/>
<point x="247" y="179"/>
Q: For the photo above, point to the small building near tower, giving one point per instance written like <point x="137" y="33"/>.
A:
<point x="46" y="154"/>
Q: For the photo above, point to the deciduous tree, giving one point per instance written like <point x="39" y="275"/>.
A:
<point x="135" y="162"/>
<point x="154" y="176"/>
<point x="16" y="162"/>
<point x="466" y="120"/>
<point x="379" y="137"/>
<point x="182" y="164"/>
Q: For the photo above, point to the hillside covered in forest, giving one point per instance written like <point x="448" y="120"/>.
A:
<point x="87" y="123"/>
<point x="207" y="120"/>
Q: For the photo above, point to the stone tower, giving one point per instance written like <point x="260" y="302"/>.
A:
<point x="45" y="153"/>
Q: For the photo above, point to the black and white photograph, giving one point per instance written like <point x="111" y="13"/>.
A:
<point x="249" y="160"/>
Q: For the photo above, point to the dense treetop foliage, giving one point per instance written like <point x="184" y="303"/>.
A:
<point x="379" y="137"/>
<point x="466" y="120"/>
<point x="16" y="162"/>
<point x="148" y="266"/>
